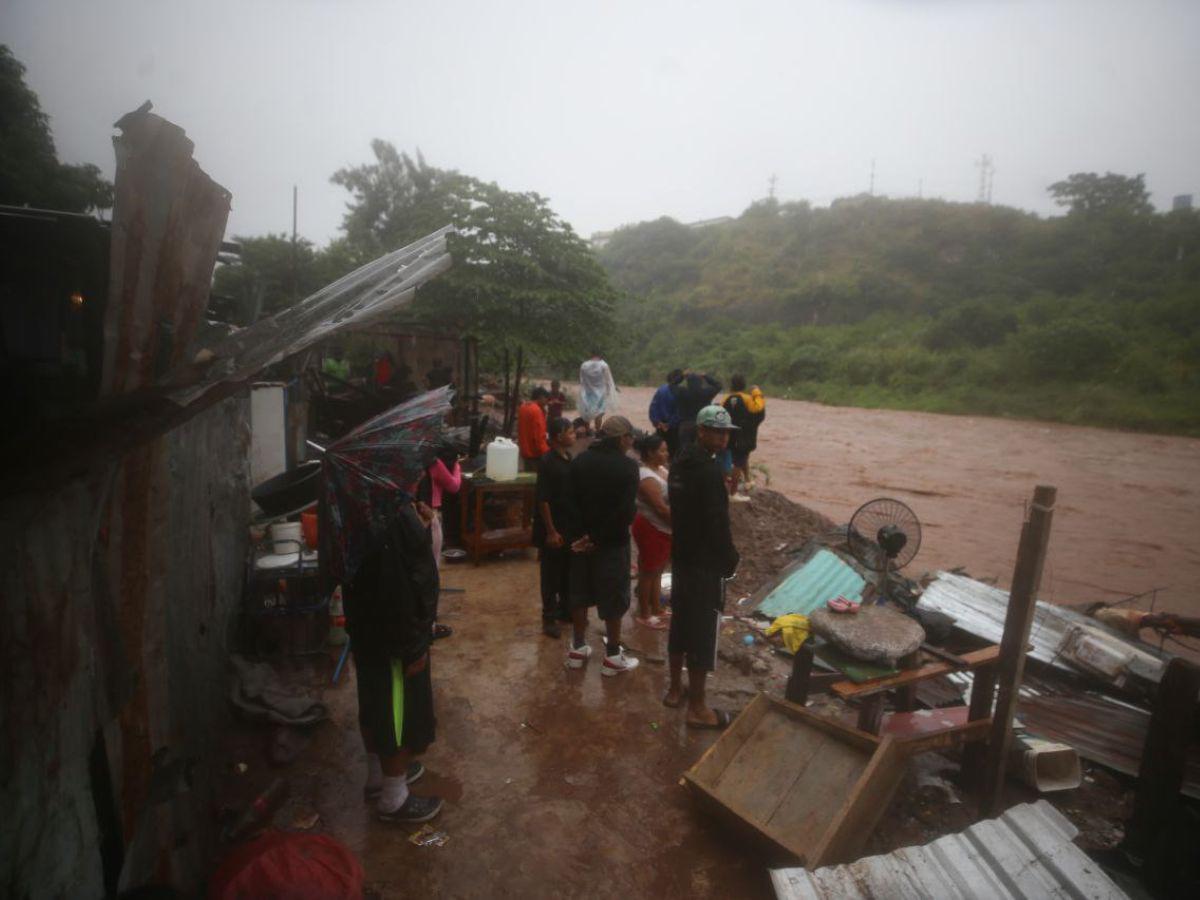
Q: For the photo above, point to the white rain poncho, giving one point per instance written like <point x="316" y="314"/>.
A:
<point x="597" y="392"/>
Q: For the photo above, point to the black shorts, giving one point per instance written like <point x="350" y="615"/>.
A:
<point x="394" y="709"/>
<point x="601" y="579"/>
<point x="696" y="602"/>
<point x="741" y="458"/>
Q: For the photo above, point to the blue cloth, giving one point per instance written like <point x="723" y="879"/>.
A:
<point x="663" y="408"/>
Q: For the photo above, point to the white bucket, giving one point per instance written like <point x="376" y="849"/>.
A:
<point x="287" y="537"/>
<point x="502" y="460"/>
<point x="1047" y="765"/>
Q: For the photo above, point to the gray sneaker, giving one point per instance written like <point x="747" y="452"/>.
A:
<point x="414" y="809"/>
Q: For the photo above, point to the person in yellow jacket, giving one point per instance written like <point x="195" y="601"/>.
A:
<point x="747" y="409"/>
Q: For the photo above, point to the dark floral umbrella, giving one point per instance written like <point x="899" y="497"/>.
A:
<point x="374" y="467"/>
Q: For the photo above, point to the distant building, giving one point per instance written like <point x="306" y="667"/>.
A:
<point x="704" y="223"/>
<point x="599" y="239"/>
<point x="1181" y="201"/>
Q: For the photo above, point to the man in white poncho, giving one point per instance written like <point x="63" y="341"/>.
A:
<point x="597" y="392"/>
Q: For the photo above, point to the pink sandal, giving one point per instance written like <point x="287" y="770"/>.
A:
<point x="653" y="622"/>
<point x="842" y="605"/>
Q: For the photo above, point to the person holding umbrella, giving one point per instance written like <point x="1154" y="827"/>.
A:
<point x="376" y="542"/>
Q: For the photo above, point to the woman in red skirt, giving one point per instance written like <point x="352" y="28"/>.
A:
<point x="652" y="529"/>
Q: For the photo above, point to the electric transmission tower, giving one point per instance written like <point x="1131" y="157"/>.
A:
<point x="987" y="172"/>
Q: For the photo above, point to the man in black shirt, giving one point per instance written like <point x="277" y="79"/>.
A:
<point x="604" y="482"/>
<point x="554" y="526"/>
<point x="702" y="556"/>
<point x="692" y="394"/>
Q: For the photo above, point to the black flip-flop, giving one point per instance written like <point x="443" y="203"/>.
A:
<point x="442" y="631"/>
<point x="723" y="720"/>
<point x="675" y="705"/>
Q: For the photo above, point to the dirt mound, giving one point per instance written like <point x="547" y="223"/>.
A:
<point x="768" y="532"/>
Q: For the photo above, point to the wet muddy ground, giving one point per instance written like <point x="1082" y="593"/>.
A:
<point x="559" y="783"/>
<point x="1128" y="511"/>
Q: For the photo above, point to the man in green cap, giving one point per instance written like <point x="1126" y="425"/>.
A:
<point x="702" y="557"/>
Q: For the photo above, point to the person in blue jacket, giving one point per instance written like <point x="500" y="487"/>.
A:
<point x="664" y="413"/>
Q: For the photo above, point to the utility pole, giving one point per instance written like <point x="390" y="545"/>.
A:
<point x="295" y="205"/>
<point x="871" y="189"/>
<point x="771" y="181"/>
<point x="920" y="188"/>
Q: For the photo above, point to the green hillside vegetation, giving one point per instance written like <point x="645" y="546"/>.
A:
<point x="1092" y="317"/>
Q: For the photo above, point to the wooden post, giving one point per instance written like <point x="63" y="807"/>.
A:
<point x="797" y="684"/>
<point x="1164" y="757"/>
<point x="506" y="423"/>
<point x="983" y="692"/>
<point x="516" y="394"/>
<point x="1027" y="577"/>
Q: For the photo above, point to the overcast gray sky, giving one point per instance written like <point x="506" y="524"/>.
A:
<point x="624" y="111"/>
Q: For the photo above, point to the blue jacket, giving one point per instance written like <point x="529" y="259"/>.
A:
<point x="662" y="407"/>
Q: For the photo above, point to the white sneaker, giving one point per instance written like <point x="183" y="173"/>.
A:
<point x="740" y="498"/>
<point x="577" y="656"/>
<point x="615" y="665"/>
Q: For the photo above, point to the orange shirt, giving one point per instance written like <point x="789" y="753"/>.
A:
<point x="531" y="430"/>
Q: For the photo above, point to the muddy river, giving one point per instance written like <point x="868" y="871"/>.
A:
<point x="1126" y="521"/>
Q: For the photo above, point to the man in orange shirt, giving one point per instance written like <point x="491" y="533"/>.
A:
<point x="531" y="429"/>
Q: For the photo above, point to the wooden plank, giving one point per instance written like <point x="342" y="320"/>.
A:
<point x="947" y="738"/>
<point x="768" y="763"/>
<point x="862" y="809"/>
<point x="805" y="811"/>
<point x="709" y="767"/>
<point x="848" y="690"/>
<point x="845" y="733"/>
<point x="1022" y="599"/>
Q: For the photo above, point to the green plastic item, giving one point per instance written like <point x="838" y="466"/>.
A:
<point x="856" y="670"/>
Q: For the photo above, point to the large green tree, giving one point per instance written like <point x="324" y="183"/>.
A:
<point x="30" y="172"/>
<point x="521" y="275"/>
<point x="1089" y="194"/>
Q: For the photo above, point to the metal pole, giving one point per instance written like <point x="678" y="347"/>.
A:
<point x="1022" y="599"/>
<point x="295" y="206"/>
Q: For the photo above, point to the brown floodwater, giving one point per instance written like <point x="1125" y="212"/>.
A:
<point x="1126" y="520"/>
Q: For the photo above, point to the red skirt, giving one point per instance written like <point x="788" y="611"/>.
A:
<point x="654" y="546"/>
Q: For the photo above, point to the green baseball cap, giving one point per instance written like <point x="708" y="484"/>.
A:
<point x="716" y="417"/>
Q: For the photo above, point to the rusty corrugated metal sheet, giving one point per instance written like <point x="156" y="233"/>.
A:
<point x="1101" y="730"/>
<point x="168" y="221"/>
<point x="1024" y="853"/>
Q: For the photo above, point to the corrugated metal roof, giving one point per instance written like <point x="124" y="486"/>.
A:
<point x="822" y="578"/>
<point x="979" y="609"/>
<point x="1026" y="852"/>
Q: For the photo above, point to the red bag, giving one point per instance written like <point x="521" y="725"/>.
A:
<point x="279" y="865"/>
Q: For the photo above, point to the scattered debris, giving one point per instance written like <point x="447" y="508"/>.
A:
<point x="428" y="836"/>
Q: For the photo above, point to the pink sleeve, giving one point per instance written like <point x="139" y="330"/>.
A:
<point x="449" y="480"/>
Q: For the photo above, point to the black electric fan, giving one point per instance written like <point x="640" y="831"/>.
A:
<point x="884" y="535"/>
